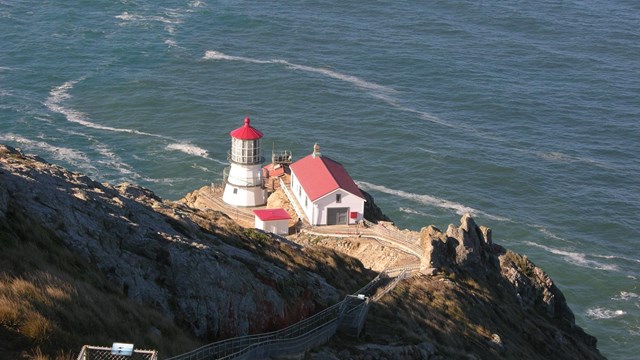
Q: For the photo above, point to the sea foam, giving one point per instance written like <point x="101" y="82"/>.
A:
<point x="354" y="80"/>
<point x="59" y="94"/>
<point x="430" y="200"/>
<point x="599" y="313"/>
<point x="378" y="91"/>
<point x="576" y="258"/>
<point x="71" y="156"/>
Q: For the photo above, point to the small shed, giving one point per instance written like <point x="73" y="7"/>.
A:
<point x="273" y="220"/>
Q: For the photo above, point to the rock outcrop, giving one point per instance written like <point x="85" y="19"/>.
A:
<point x="474" y="298"/>
<point x="197" y="267"/>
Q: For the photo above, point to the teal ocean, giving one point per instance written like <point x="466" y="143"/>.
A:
<point x="524" y="113"/>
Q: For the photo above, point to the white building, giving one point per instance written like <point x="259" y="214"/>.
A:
<point x="325" y="191"/>
<point x="243" y="179"/>
<point x="272" y="220"/>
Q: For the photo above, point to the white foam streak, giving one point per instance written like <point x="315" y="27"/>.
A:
<point x="189" y="149"/>
<point x="626" y="296"/>
<point x="133" y="17"/>
<point x="193" y="150"/>
<point x="576" y="258"/>
<point x="201" y="168"/>
<point x="413" y="211"/>
<point x="338" y="76"/>
<point x="602" y="313"/>
<point x="354" y="80"/>
<point x="564" y="158"/>
<point x="72" y="156"/>
<point x="60" y="93"/>
<point x="196" y="4"/>
<point x="215" y="55"/>
<point x="430" y="200"/>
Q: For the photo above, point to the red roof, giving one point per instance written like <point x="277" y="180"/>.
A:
<point x="246" y="131"/>
<point x="274" y="171"/>
<point x="321" y="175"/>
<point x="272" y="214"/>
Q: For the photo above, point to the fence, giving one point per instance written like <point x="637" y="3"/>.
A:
<point x="104" y="353"/>
<point x="305" y="334"/>
<point x="396" y="236"/>
<point x="292" y="200"/>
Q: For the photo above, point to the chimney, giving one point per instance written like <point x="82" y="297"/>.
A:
<point x="316" y="151"/>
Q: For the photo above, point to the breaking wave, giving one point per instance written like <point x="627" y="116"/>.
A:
<point x="602" y="313"/>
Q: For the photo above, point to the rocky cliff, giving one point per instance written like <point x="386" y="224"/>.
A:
<point x="195" y="267"/>
<point x="176" y="272"/>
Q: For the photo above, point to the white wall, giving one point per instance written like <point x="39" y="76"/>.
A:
<point x="348" y="200"/>
<point x="249" y="191"/>
<point x="280" y="227"/>
<point x="302" y="197"/>
<point x="316" y="211"/>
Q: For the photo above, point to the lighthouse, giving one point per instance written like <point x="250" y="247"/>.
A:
<point x="243" y="179"/>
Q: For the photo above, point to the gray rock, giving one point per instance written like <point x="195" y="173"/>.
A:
<point x="151" y="248"/>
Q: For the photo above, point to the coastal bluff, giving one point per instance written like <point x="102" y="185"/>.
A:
<point x="173" y="277"/>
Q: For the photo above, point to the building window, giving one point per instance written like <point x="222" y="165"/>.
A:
<point x="299" y="191"/>
<point x="235" y="190"/>
<point x="338" y="198"/>
<point x="305" y="201"/>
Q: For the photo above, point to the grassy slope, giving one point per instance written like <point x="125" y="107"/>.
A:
<point x="51" y="302"/>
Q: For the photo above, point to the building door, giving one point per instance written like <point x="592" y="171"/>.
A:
<point x="336" y="216"/>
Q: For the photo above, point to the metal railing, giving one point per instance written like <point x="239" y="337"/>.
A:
<point x="303" y="335"/>
<point x="89" y="352"/>
<point x="397" y="236"/>
<point x="292" y="200"/>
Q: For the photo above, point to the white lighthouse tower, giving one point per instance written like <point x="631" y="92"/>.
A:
<point x="243" y="179"/>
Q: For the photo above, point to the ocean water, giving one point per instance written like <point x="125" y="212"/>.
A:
<point x="525" y="114"/>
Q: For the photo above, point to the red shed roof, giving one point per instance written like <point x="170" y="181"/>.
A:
<point x="246" y="131"/>
<point x="320" y="175"/>
<point x="272" y="214"/>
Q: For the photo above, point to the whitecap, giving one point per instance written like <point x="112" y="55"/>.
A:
<point x="411" y="211"/>
<point x="134" y="17"/>
<point x="201" y="168"/>
<point x="625" y="296"/>
<point x="430" y="200"/>
<point x="602" y="313"/>
<point x="196" y="4"/>
<point x="189" y="149"/>
<point x="576" y="258"/>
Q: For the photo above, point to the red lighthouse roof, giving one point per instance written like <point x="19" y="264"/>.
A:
<point x="246" y="131"/>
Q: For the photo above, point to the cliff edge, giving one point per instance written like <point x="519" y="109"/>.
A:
<point x="87" y="262"/>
